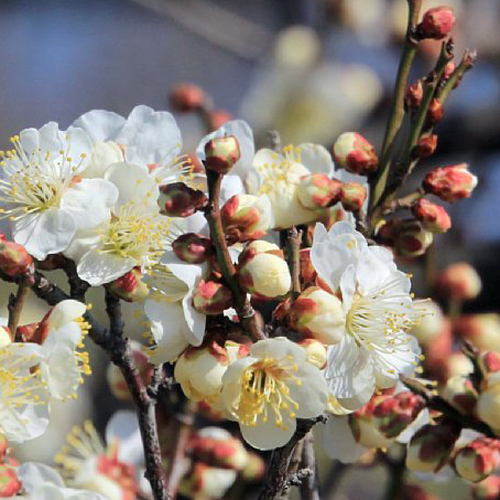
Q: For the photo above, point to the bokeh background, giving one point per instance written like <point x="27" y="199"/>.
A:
<point x="309" y="68"/>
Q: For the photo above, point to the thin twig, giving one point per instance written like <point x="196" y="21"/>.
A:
<point x="309" y="489"/>
<point x="16" y="304"/>
<point x="78" y="288"/>
<point x="293" y="242"/>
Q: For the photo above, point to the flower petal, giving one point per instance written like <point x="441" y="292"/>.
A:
<point x="316" y="158"/>
<point x="97" y="268"/>
<point x="100" y="125"/>
<point x="267" y="435"/>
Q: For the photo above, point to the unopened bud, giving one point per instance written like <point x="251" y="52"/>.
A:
<point x="448" y="70"/>
<point x="432" y="217"/>
<point x="354" y="153"/>
<point x="461" y="394"/>
<point x="431" y="446"/>
<point x="319" y="315"/>
<point x="254" y="468"/>
<point x="9" y="483"/>
<point x="186" y="97"/>
<point x="483" y="330"/>
<point x="203" y="482"/>
<point x="318" y="191"/>
<point x="488" y="406"/>
<point x="192" y="248"/>
<point x="115" y="379"/>
<point x="307" y="272"/>
<point x="458" y="364"/>
<point x="478" y="459"/>
<point x="315" y="352"/>
<point x="426" y="146"/>
<point x="430" y="321"/>
<point x="437" y="23"/>
<point x="414" y="94"/>
<point x="435" y="113"/>
<point x="412" y="240"/>
<point x="450" y="183"/>
<point x="489" y="362"/>
<point x="199" y="370"/>
<point x="263" y="271"/>
<point x="353" y="196"/>
<point x="487" y="489"/>
<point x="216" y="447"/>
<point x="219" y="117"/>
<point x="212" y="298"/>
<point x="15" y="260"/>
<point x="221" y="154"/>
<point x="246" y="217"/>
<point x="459" y="281"/>
<point x="179" y="200"/>
<point x="129" y="287"/>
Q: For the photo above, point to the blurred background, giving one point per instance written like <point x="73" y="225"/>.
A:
<point x="309" y="68"/>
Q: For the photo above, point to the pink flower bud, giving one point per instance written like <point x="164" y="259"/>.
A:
<point x="246" y="217"/>
<point x="216" y="447"/>
<point x="433" y="217"/>
<point x="483" y="330"/>
<point x="487" y="489"/>
<point x="319" y="315"/>
<point x="459" y="281"/>
<point x="435" y="113"/>
<point x="203" y="481"/>
<point x="414" y="94"/>
<point x="186" y="97"/>
<point x="448" y="70"/>
<point x="315" y="351"/>
<point x="450" y="183"/>
<point x="426" y="146"/>
<point x="353" y="196"/>
<point x="431" y="446"/>
<point x="129" y="287"/>
<point x="179" y="200"/>
<point x="461" y="394"/>
<point x="115" y="379"/>
<point x="489" y="362"/>
<point x="318" y="191"/>
<point x="411" y="239"/>
<point x="212" y="298"/>
<point x="221" y="154"/>
<point x="193" y="248"/>
<point x="15" y="261"/>
<point x="478" y="459"/>
<point x="354" y="153"/>
<point x="437" y="23"/>
<point x="9" y="483"/>
<point x="219" y="117"/>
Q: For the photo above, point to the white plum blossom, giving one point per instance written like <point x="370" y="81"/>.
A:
<point x="376" y="347"/>
<point x="266" y="391"/>
<point x="42" y="192"/>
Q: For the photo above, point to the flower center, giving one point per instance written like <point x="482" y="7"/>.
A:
<point x="265" y="391"/>
<point x="35" y="182"/>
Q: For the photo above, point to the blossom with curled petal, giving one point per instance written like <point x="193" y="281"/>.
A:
<point x="42" y="192"/>
<point x="266" y="391"/>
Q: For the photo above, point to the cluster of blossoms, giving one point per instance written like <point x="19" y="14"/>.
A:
<point x="269" y="283"/>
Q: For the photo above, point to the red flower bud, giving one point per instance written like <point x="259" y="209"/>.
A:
<point x="426" y="146"/>
<point x="307" y="272"/>
<point x="186" y="97"/>
<point x="221" y="154"/>
<point x="450" y="183"/>
<point x="354" y="153"/>
<point x="318" y="191"/>
<point x="448" y="70"/>
<point x="487" y="489"/>
<point x="414" y="94"/>
<point x="15" y="261"/>
<point x="9" y="484"/>
<point x="489" y="362"/>
<point x="211" y="297"/>
<point x="411" y="239"/>
<point x="129" y="287"/>
<point x="478" y="459"/>
<point x="459" y="281"/>
<point x="461" y="394"/>
<point x="437" y="23"/>
<point x="352" y="196"/>
<point x="193" y="248"/>
<point x="179" y="200"/>
<point x="433" y="217"/>
<point x="435" y="113"/>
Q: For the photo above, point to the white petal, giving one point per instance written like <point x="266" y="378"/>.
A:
<point x="312" y="393"/>
<point x="348" y="286"/>
<point x="195" y="320"/>
<point x="320" y="233"/>
<point x="65" y="312"/>
<point x="267" y="436"/>
<point x="230" y="185"/>
<point x="316" y="158"/>
<point x="277" y="348"/>
<point x="33" y="474"/>
<point x="61" y="372"/>
<point x="100" y="125"/>
<point x="97" y="268"/>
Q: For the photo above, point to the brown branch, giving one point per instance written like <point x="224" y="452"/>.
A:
<point x="293" y="242"/>
<point x="16" y="303"/>
<point x="309" y="490"/>
<point x="78" y="288"/>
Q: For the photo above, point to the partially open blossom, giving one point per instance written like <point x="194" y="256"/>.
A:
<point x="353" y="196"/>
<point x="266" y="391"/>
<point x="483" y="330"/>
<point x="478" y="459"/>
<point x="319" y="315"/>
<point x="179" y="200"/>
<point x="216" y="447"/>
<point x="450" y="183"/>
<point x="487" y="489"/>
<point x="221" y="153"/>
<point x="459" y="281"/>
<point x="411" y="239"/>
<point x="192" y="248"/>
<point x="437" y="23"/>
<point x="14" y="259"/>
<point x="315" y="352"/>
<point x="130" y="286"/>
<point x="354" y="153"/>
<point x="210" y="297"/>
<point x="414" y="94"/>
<point x="9" y="482"/>
<point x="199" y="370"/>
<point x="246" y="217"/>
<point x="263" y="271"/>
<point x="429" y="323"/>
<point x="431" y="446"/>
<point x="426" y="146"/>
<point x="460" y="392"/>
<point x="203" y="481"/>
<point x="488" y="406"/>
<point x="318" y="191"/>
<point x="432" y="217"/>
<point x="185" y="97"/>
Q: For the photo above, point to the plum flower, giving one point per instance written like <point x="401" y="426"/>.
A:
<point x="376" y="347"/>
<point x="43" y="194"/>
<point x="266" y="391"/>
